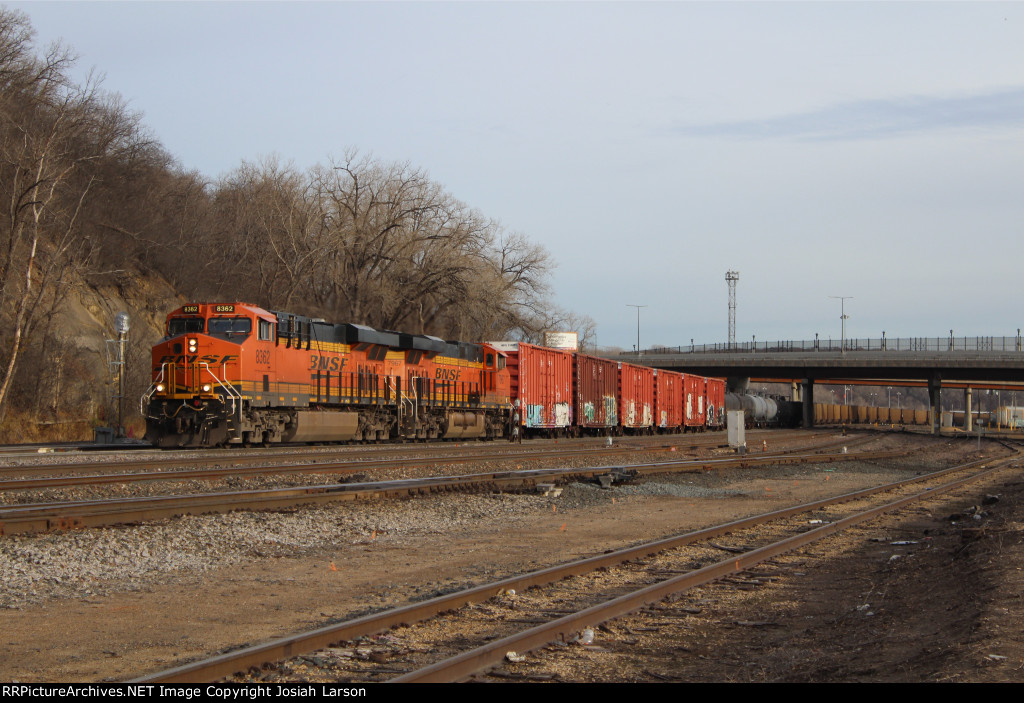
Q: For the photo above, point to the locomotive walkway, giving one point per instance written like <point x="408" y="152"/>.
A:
<point x="954" y="361"/>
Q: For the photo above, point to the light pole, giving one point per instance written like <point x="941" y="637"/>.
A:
<point x="842" y="318"/>
<point x="731" y="277"/>
<point x="630" y="305"/>
<point x="890" y="397"/>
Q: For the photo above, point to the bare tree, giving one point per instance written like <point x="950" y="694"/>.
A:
<point x="269" y="225"/>
<point x="367" y="212"/>
<point x="51" y="135"/>
<point x="405" y="254"/>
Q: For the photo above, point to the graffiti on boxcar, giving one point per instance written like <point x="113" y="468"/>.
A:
<point x="611" y="412"/>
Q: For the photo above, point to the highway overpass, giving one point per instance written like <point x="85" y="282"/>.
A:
<point x="931" y="361"/>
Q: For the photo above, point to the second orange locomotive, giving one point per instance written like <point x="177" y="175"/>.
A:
<point x="234" y="373"/>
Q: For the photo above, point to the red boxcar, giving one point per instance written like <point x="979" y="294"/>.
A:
<point x="636" y="397"/>
<point x="596" y="383"/>
<point x="714" y="401"/>
<point x="541" y="380"/>
<point x="694" y="388"/>
<point x="668" y="400"/>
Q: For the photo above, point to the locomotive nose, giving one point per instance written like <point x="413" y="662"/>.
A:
<point x="190" y="365"/>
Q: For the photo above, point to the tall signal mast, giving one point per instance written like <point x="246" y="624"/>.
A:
<point x="731" y="277"/>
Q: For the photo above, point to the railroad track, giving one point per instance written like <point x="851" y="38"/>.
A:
<point x="327" y="466"/>
<point x="117" y="461"/>
<point x="47" y="517"/>
<point x="498" y="618"/>
<point x="317" y="466"/>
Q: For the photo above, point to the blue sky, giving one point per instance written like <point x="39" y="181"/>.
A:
<point x="869" y="149"/>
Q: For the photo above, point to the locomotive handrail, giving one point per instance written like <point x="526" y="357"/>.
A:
<point x="232" y="393"/>
<point x="392" y="383"/>
<point x="144" y="400"/>
<point x="414" y="402"/>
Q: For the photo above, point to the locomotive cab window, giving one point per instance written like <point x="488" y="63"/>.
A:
<point x="184" y="325"/>
<point x="234" y="328"/>
<point x="266" y="331"/>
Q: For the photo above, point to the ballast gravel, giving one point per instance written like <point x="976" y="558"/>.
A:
<point x="90" y="563"/>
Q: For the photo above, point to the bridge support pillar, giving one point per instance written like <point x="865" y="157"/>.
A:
<point x="935" y="404"/>
<point x="807" y="398"/>
<point x="968" y="423"/>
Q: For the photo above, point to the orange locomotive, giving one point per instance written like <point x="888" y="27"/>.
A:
<point x="234" y="373"/>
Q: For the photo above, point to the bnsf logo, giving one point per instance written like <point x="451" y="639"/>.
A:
<point x="325" y="363"/>
<point x="211" y="359"/>
<point x="448" y="374"/>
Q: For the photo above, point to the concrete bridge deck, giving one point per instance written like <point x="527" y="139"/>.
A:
<point x="931" y="361"/>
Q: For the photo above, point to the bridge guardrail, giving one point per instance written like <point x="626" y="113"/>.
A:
<point x="886" y="344"/>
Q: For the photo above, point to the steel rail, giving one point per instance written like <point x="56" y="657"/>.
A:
<point x="239" y="453"/>
<point x="342" y="467"/>
<point x="46" y="517"/>
<point x="347" y="467"/>
<point x="362" y="453"/>
<point x="464" y="665"/>
<point x="262" y="458"/>
<point x="225" y="665"/>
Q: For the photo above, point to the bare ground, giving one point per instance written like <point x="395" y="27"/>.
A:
<point x="946" y="605"/>
<point x="946" y="608"/>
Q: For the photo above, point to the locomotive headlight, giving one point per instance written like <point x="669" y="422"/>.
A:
<point x="159" y="388"/>
<point x="207" y="388"/>
<point x="193" y="344"/>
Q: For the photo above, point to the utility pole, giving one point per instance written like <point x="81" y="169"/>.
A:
<point x="630" y="305"/>
<point x="731" y="277"/>
<point x="843" y="317"/>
